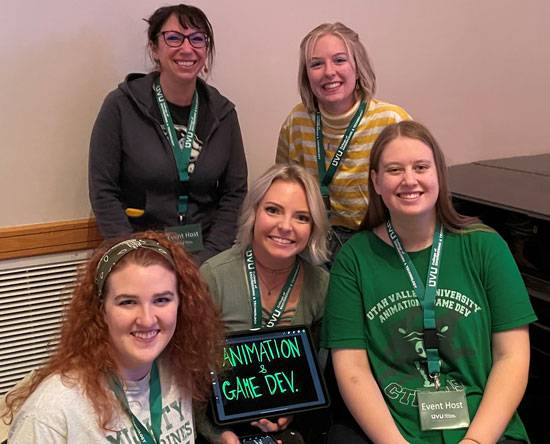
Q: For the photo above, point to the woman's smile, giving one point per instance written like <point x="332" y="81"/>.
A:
<point x="283" y="224"/>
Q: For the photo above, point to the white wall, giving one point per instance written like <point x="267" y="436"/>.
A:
<point x="475" y="72"/>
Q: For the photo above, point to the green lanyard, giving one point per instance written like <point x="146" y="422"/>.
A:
<point x="425" y="294"/>
<point x="155" y="407"/>
<point x="182" y="155"/>
<point x="325" y="177"/>
<point x="255" y="295"/>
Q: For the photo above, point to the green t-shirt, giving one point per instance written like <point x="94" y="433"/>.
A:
<point x="371" y="305"/>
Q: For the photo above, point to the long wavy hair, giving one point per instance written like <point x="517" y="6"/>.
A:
<point x="85" y="356"/>
<point x="378" y="213"/>
<point x="366" y="79"/>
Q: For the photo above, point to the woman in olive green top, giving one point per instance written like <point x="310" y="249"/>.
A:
<point x="273" y="274"/>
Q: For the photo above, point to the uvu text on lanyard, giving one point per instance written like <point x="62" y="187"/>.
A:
<point x="155" y="407"/>
<point x="325" y="176"/>
<point x="181" y="154"/>
<point x="425" y="294"/>
<point x="255" y="295"/>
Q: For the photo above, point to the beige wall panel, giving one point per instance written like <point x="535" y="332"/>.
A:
<point x="475" y="72"/>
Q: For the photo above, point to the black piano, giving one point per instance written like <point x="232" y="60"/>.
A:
<point x="512" y="195"/>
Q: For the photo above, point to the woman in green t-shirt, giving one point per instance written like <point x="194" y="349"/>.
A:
<point x="426" y="313"/>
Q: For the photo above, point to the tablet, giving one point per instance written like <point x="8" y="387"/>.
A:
<point x="266" y="373"/>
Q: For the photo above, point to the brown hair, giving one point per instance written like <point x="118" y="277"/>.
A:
<point x="85" y="355"/>
<point x="378" y="213"/>
<point x="366" y="79"/>
<point x="188" y="16"/>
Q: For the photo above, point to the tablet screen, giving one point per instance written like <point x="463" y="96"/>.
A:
<point x="271" y="372"/>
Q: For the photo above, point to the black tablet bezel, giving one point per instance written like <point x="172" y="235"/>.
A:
<point x="322" y="399"/>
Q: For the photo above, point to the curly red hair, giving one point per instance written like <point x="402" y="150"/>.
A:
<point x="85" y="355"/>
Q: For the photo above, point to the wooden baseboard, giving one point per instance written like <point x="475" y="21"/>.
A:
<point x="52" y="237"/>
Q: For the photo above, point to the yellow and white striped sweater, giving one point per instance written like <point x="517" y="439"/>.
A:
<point x="348" y="190"/>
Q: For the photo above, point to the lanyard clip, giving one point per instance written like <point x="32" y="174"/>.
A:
<point x="435" y="378"/>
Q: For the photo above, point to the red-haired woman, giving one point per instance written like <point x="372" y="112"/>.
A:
<point x="140" y="338"/>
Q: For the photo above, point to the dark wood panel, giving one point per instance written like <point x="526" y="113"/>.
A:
<point x="539" y="164"/>
<point x="525" y="189"/>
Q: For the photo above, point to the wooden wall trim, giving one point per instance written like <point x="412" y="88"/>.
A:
<point x="51" y="237"/>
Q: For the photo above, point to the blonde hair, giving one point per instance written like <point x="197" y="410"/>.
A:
<point x="316" y="251"/>
<point x="366" y="79"/>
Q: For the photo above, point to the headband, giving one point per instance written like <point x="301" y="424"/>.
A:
<point x="118" y="251"/>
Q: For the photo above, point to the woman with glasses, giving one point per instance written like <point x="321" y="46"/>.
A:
<point x="332" y="131"/>
<point x="166" y="150"/>
<point x="138" y="342"/>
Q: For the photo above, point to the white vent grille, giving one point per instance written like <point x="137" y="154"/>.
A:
<point x="33" y="294"/>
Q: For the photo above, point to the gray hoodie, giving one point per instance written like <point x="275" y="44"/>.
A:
<point x="131" y="165"/>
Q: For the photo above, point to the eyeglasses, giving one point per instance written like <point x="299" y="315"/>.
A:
<point x="175" y="39"/>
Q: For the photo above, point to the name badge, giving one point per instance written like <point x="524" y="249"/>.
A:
<point x="442" y="410"/>
<point x="189" y="235"/>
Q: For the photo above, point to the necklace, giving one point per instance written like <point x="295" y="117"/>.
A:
<point x="278" y="276"/>
<point x="277" y="282"/>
